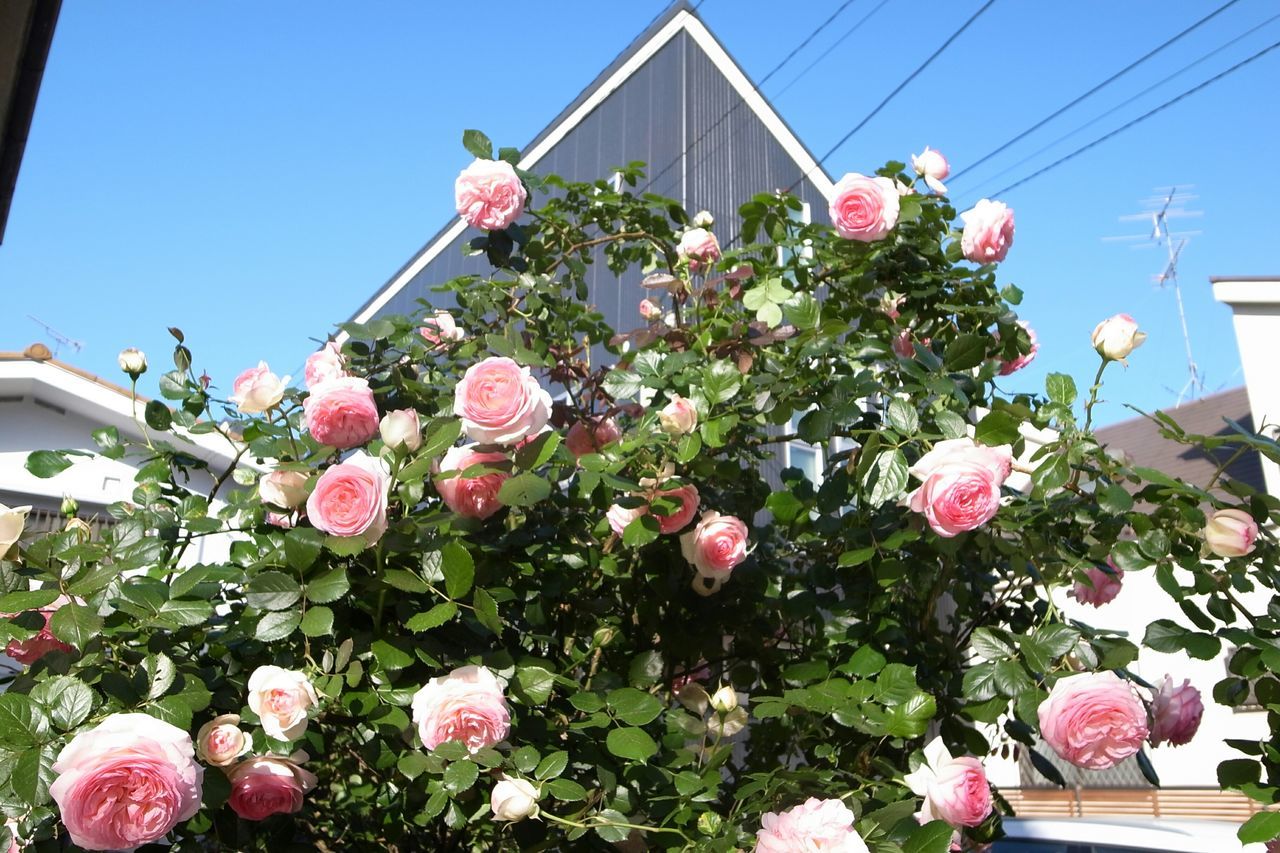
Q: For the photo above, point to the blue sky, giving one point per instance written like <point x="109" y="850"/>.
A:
<point x="253" y="172"/>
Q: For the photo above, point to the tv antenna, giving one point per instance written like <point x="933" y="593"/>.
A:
<point x="1166" y="205"/>
<point x="59" y="339"/>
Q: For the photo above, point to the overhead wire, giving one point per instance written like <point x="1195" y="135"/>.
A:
<point x="1184" y="69"/>
<point x="1123" y="71"/>
<point x="1169" y="103"/>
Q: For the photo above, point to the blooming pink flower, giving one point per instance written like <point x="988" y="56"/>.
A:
<point x="488" y="195"/>
<point x="814" y="826"/>
<point x="650" y="310"/>
<point x="700" y="246"/>
<point x="1102" y="585"/>
<point x="258" y="389"/>
<point x="472" y="497"/>
<point x="341" y="412"/>
<point x="960" y="484"/>
<point x="902" y="344"/>
<point x="267" y="785"/>
<point x="954" y="789"/>
<point x="126" y="782"/>
<point x="441" y="329"/>
<point x="1116" y="337"/>
<point x="467" y="705"/>
<point x="933" y="167"/>
<point x="500" y="402"/>
<point x="1008" y="367"/>
<point x="1093" y="720"/>
<point x="350" y="498"/>
<point x="1176" y="710"/>
<point x="1231" y="533"/>
<point x="220" y="741"/>
<point x="863" y="208"/>
<point x="620" y="516"/>
<point x="580" y="440"/>
<point x="680" y="518"/>
<point x="281" y="698"/>
<point x="988" y="232"/>
<point x="716" y="545"/>
<point x="30" y="650"/>
<point x="325" y="364"/>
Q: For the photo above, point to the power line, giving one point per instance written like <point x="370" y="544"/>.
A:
<point x="1139" y="119"/>
<point x="1104" y="83"/>
<point x="1184" y="69"/>
<point x="898" y="89"/>
<point x="652" y="181"/>
<point x="834" y="45"/>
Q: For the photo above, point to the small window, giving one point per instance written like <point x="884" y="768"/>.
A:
<point x="804" y="217"/>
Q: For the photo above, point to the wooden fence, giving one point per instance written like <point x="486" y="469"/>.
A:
<point x="1192" y="803"/>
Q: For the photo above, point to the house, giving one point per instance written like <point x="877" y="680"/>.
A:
<point x="674" y="99"/>
<point x="26" y="31"/>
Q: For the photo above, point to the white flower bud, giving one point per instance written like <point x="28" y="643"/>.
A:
<point x="725" y="699"/>
<point x="513" y="799"/>
<point x="133" y="362"/>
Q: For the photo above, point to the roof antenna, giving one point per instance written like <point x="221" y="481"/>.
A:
<point x="1170" y="204"/>
<point x="60" y="340"/>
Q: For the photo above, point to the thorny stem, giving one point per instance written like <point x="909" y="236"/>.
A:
<point x="133" y="401"/>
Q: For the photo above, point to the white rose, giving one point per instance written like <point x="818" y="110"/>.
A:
<point x="678" y="417"/>
<point x="11" y="523"/>
<point x="401" y="429"/>
<point x="133" y="362"/>
<point x="725" y="699"/>
<point x="285" y="489"/>
<point x="513" y="799"/>
<point x="1116" y="337"/>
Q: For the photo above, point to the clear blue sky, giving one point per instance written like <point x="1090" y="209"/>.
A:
<point x="252" y="172"/>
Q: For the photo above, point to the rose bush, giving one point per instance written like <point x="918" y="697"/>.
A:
<point x="487" y="569"/>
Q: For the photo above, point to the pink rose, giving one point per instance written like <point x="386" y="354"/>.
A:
<point x="1116" y="337"/>
<point x="815" y="825"/>
<point x="581" y="440"/>
<point x="863" y="208"/>
<point x="488" y="195"/>
<point x="1273" y="846"/>
<point x="285" y="489"/>
<point x="500" y="402"/>
<point x="350" y="498"/>
<point x="280" y="698"/>
<point x="715" y="545"/>
<point x="902" y="344"/>
<point x="678" y="417"/>
<point x="281" y="520"/>
<point x="401" y="428"/>
<point x="988" y="232"/>
<point x="954" y="789"/>
<point x="324" y="365"/>
<point x="341" y="412"/>
<point x="220" y="741"/>
<point x="126" y="782"/>
<point x="933" y="167"/>
<point x="701" y="248"/>
<point x="960" y="484"/>
<point x="649" y="310"/>
<point x="1093" y="720"/>
<point x="257" y="389"/>
<point x="1103" y="585"/>
<point x="467" y="705"/>
<point x="261" y="787"/>
<point x="441" y="329"/>
<point x="1176" y="710"/>
<point x="472" y="497"/>
<point x="620" y="516"/>
<point x="1231" y="533"/>
<point x="680" y="517"/>
<point x="1008" y="367"/>
<point x="30" y="650"/>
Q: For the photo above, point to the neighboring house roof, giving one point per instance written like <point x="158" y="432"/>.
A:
<point x="1140" y="438"/>
<point x="26" y="31"/>
<point x="35" y="373"/>
<point x="674" y="99"/>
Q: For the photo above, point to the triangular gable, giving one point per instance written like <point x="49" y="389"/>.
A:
<point x="679" y="18"/>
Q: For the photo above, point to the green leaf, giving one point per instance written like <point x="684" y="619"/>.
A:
<point x="301" y="547"/>
<point x="22" y="724"/>
<point x="67" y="701"/>
<point x="997" y="428"/>
<point x="1061" y="388"/>
<point x="632" y="706"/>
<point x="1052" y="473"/>
<point x="33" y="774"/>
<point x="525" y="759"/>
<point x="886" y="479"/>
<point x="965" y="352"/>
<point x="566" y="790"/>
<point x="551" y="766"/>
<point x="720" y="382"/>
<point x="911" y="718"/>
<point x="803" y="311"/>
<point x="318" y="622"/>
<point x="621" y="384"/>
<point x="413" y="764"/>
<point x="460" y="776"/>
<point x="903" y="416"/>
<point x="933" y="837"/>
<point x="951" y="425"/>
<point x="640" y="531"/>
<point x="440" y="437"/>
<point x="47" y="463"/>
<point x="405" y="581"/>
<point x="158" y="416"/>
<point x="896" y="683"/>
<point x="17" y="602"/>
<point x="75" y="624"/>
<point x="486" y="610"/>
<point x="328" y="587"/>
<point x="523" y="490"/>
<point x="346" y="546"/>
<point x="535" y="683"/>
<point x="1046" y="768"/>
<point x="1114" y="499"/>
<point x="610" y="830"/>
<point x="538" y="451"/>
<point x="631" y="743"/>
<point x="160" y="673"/>
<point x="272" y="591"/>
<point x="391" y="657"/>
<point x="1057" y="639"/>
<point x="458" y="567"/>
<point x="433" y="618"/>
<point x="1260" y="828"/>
<point x="478" y="144"/>
<point x="1164" y="635"/>
<point x="276" y="626"/>
<point x="990" y="646"/>
<point x="645" y="669"/>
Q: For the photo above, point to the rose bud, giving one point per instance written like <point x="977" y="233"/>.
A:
<point x="678" y="417"/>
<point x="325" y="364"/>
<point x="703" y="219"/>
<point x="133" y="362"/>
<point x="261" y="787"/>
<point x="1176" y="710"/>
<point x="1116" y="337"/>
<point x="933" y="167"/>
<point x="400" y="428"/>
<point x="650" y="310"/>
<point x="1231" y="533"/>
<point x="725" y="699"/>
<point x="514" y="799"/>
<point x="285" y="489"/>
<point x="258" y="389"/>
<point x="700" y="247"/>
<point x="220" y="741"/>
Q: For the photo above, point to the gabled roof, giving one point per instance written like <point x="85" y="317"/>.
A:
<point x="26" y="31"/>
<point x="678" y="18"/>
<point x="1140" y="438"/>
